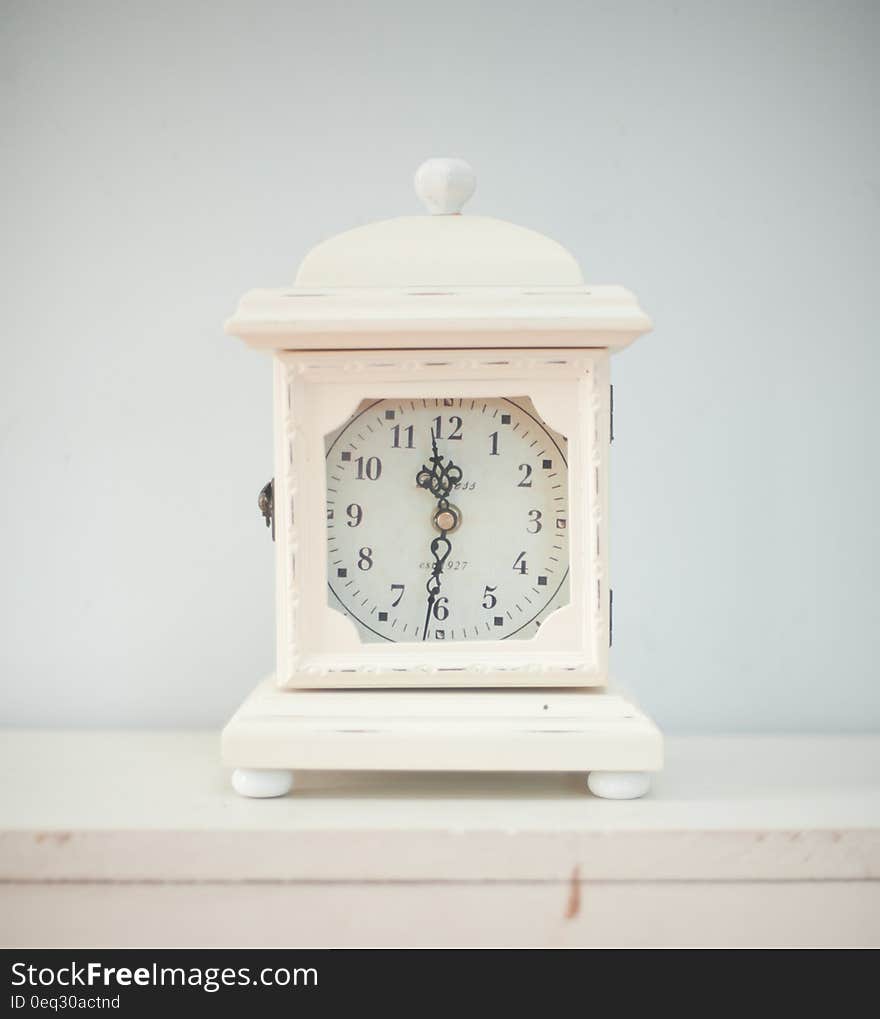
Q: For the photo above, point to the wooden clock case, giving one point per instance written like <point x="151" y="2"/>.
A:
<point x="430" y="306"/>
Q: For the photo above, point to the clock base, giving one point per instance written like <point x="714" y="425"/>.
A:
<point x="276" y="732"/>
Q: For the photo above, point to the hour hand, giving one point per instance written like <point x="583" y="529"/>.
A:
<point x="439" y="479"/>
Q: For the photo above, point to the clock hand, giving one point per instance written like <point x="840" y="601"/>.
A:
<point x="433" y="585"/>
<point x="438" y="479"/>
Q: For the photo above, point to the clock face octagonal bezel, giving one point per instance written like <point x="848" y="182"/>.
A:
<point x="447" y="519"/>
<point x="315" y="394"/>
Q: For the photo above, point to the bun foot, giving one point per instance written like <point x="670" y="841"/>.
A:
<point x="261" y="783"/>
<point x="619" y="785"/>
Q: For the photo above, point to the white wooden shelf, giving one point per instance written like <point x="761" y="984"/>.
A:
<point x="135" y="838"/>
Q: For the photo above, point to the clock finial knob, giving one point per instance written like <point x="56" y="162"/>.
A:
<point x="444" y="185"/>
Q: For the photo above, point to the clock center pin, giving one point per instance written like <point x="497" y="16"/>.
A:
<point x="447" y="520"/>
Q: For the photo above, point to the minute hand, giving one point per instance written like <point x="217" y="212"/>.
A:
<point x="440" y="549"/>
<point x="438" y="479"/>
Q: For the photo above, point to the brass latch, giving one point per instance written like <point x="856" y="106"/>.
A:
<point x="266" y="502"/>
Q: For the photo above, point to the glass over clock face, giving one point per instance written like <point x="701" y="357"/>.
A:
<point x="447" y="519"/>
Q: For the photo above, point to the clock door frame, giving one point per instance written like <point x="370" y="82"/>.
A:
<point x="315" y="392"/>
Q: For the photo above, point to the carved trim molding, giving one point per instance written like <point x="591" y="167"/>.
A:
<point x="395" y="661"/>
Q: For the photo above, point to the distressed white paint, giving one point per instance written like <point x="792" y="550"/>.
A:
<point x="420" y="312"/>
<point x="439" y="281"/>
<point x="315" y="393"/>
<point x="449" y="730"/>
<point x="430" y="307"/>
<point x="745" y="842"/>
<point x="567" y="914"/>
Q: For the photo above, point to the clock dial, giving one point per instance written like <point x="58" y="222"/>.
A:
<point x="447" y="519"/>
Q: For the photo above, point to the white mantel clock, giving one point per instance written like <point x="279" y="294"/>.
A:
<point x="440" y="507"/>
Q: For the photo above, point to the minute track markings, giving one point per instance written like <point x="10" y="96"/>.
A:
<point x="388" y="533"/>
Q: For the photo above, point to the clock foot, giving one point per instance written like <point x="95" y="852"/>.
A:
<point x="261" y="783"/>
<point x="619" y="785"/>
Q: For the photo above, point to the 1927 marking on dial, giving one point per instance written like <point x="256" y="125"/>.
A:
<point x="447" y="519"/>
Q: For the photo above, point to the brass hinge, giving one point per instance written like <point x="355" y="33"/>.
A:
<point x="610" y="616"/>
<point x="266" y="502"/>
<point x="611" y="414"/>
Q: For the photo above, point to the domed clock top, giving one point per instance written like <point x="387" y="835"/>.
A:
<point x="443" y="273"/>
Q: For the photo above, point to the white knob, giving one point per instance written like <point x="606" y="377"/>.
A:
<point x="444" y="185"/>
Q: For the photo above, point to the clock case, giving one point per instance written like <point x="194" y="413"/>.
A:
<point x="444" y="305"/>
<point x="318" y="646"/>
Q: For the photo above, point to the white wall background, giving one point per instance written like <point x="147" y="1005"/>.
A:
<point x="721" y="159"/>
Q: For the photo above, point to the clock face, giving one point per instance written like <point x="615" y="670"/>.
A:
<point x="447" y="519"/>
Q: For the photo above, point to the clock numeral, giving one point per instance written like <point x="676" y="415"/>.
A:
<point x="408" y="435"/>
<point x="371" y="469"/>
<point x="397" y="587"/>
<point x="355" y="514"/>
<point x="440" y="610"/>
<point x="494" y="449"/>
<point x="489" y="599"/>
<point x="526" y="480"/>
<point x="535" y="524"/>
<point x="520" y="565"/>
<point x="365" y="560"/>
<point x="456" y="423"/>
